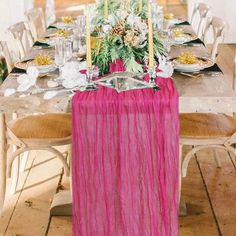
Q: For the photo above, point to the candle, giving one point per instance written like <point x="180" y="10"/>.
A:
<point x="106" y="9"/>
<point x="128" y="5"/>
<point x="88" y="39"/>
<point x="150" y="38"/>
<point x="140" y="5"/>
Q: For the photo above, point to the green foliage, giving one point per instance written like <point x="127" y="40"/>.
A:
<point x="112" y="9"/>
<point x="111" y="48"/>
<point x="3" y="69"/>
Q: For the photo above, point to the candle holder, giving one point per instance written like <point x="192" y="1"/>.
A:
<point x="152" y="77"/>
<point x="90" y="86"/>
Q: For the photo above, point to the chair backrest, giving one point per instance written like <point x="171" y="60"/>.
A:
<point x="202" y="11"/>
<point x="218" y="27"/>
<point x="4" y="52"/>
<point x="36" y="21"/>
<point x="21" y="38"/>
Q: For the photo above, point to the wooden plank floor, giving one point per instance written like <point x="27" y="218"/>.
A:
<point x="209" y="192"/>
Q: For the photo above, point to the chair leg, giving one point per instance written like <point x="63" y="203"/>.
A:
<point x="49" y="149"/>
<point x="198" y="148"/>
<point x="61" y="158"/>
<point x="23" y="161"/>
<point x="15" y="175"/>
<point x="180" y="172"/>
<point x="3" y="160"/>
<point x="69" y="155"/>
<point x="186" y="161"/>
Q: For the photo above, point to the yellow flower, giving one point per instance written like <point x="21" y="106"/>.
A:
<point x="67" y="20"/>
<point x="187" y="58"/>
<point x="178" y="32"/>
<point x="168" y="16"/>
<point x="62" y="33"/>
<point x="43" y="60"/>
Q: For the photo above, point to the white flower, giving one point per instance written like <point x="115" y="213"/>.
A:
<point x="71" y="75"/>
<point x="111" y="20"/>
<point x="27" y="80"/>
<point x="166" y="68"/>
<point x="72" y="69"/>
<point x="143" y="28"/>
<point x="133" y="20"/>
<point x="106" y="28"/>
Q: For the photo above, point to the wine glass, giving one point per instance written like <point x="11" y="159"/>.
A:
<point x="60" y="58"/>
<point x="167" y="39"/>
<point x="68" y="50"/>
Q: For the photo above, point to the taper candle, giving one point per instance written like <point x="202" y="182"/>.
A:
<point x="150" y="38"/>
<point x="140" y="5"/>
<point x="106" y="9"/>
<point x="88" y="38"/>
<point x="128" y="5"/>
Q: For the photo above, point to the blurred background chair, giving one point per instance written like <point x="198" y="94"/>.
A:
<point x="21" y="39"/>
<point x="199" y="17"/>
<point x="37" y="132"/>
<point x="4" y="53"/>
<point x="36" y="21"/>
<point x="216" y="27"/>
<point x="204" y="131"/>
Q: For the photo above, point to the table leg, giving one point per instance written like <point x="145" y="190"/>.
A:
<point x="3" y="160"/>
<point x="62" y="204"/>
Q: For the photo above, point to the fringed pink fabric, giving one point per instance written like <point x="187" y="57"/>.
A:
<point x="125" y="162"/>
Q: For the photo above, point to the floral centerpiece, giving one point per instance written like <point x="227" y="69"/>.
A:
<point x="124" y="35"/>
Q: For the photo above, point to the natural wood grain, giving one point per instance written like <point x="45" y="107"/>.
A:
<point x="61" y="224"/>
<point x="33" y="206"/>
<point x="11" y="200"/>
<point x="221" y="186"/>
<point x="199" y="220"/>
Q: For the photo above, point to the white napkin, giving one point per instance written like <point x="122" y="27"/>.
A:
<point x="166" y="68"/>
<point x="52" y="84"/>
<point x="50" y="94"/>
<point x="8" y="92"/>
<point x="27" y="80"/>
<point x="71" y="76"/>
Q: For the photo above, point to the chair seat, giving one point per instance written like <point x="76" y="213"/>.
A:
<point x="198" y="125"/>
<point x="48" y="126"/>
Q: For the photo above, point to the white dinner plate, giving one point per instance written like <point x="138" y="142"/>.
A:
<point x="203" y="63"/>
<point x="42" y="69"/>
<point x="185" y="38"/>
<point x="61" y="25"/>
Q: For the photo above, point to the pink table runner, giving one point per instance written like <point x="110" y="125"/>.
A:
<point x="125" y="162"/>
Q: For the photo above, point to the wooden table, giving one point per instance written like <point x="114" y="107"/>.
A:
<point x="206" y="94"/>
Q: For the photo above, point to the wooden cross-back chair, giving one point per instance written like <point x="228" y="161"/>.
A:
<point x="22" y="38"/>
<point x="203" y="131"/>
<point x="218" y="27"/>
<point x="4" y="52"/>
<point x="201" y="10"/>
<point x="36" y="132"/>
<point x="36" y="21"/>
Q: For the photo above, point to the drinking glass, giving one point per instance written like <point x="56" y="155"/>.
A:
<point x="60" y="58"/>
<point x="167" y="39"/>
<point x="68" y="50"/>
<point x="78" y="32"/>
